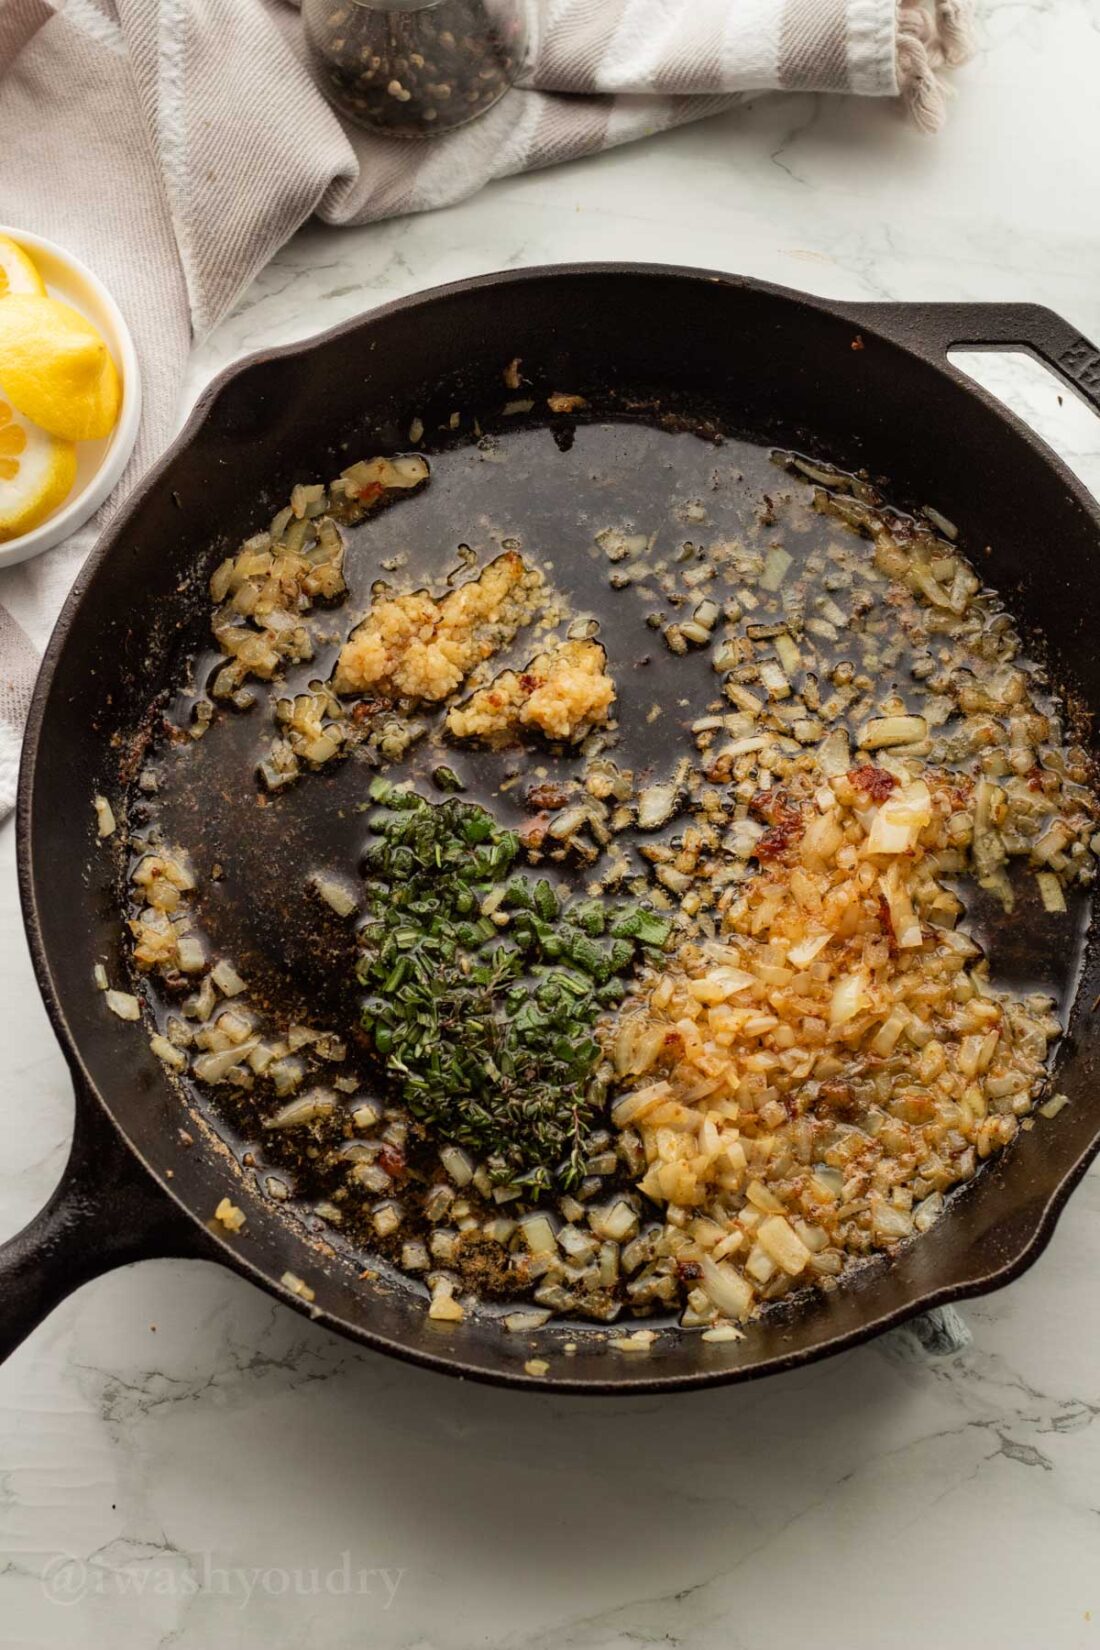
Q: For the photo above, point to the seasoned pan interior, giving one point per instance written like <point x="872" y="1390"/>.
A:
<point x="685" y="377"/>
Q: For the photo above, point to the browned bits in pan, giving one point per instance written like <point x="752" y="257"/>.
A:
<point x="415" y="69"/>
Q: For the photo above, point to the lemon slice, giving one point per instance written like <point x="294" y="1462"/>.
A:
<point x="37" y="471"/>
<point x="56" y="369"/>
<point x="17" y="272"/>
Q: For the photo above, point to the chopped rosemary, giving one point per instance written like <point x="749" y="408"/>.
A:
<point x="484" y="988"/>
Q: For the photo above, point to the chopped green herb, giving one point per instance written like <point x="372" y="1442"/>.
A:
<point x="445" y="779"/>
<point x="487" y="1031"/>
<point x="644" y="927"/>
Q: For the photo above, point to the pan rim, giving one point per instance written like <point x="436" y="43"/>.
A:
<point x="627" y="1382"/>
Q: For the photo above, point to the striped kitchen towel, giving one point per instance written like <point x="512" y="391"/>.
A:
<point x="175" y="145"/>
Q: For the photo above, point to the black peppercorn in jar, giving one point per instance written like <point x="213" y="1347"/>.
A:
<point x="415" y="67"/>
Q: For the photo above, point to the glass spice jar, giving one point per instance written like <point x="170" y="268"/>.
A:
<point x="412" y="68"/>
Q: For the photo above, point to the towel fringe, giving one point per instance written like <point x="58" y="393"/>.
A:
<point x="928" y="40"/>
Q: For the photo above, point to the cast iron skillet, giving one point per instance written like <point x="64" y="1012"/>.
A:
<point x="860" y="384"/>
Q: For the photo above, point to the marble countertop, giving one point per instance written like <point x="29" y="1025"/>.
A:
<point x="185" y="1463"/>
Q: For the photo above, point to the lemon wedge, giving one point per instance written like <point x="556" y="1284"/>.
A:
<point x="56" y="369"/>
<point x="37" y="472"/>
<point x="17" y="272"/>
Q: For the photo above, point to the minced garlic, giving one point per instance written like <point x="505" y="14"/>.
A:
<point x="414" y="647"/>
<point x="563" y="693"/>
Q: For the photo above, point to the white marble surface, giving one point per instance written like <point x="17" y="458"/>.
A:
<point x="192" y="1466"/>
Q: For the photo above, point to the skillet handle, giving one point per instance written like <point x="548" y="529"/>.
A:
<point x="932" y="329"/>
<point x="107" y="1211"/>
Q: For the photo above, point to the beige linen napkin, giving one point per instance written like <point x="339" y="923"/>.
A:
<point x="176" y="144"/>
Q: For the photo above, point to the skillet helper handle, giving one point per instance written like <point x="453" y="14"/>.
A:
<point x="107" y="1211"/>
<point x="933" y="329"/>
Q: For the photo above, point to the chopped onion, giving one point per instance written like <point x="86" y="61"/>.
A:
<point x="569" y="822"/>
<point x="124" y="1004"/>
<point x="928" y="1211"/>
<point x="743" y="747"/>
<point x="900" y="820"/>
<point x="226" y="978"/>
<point x="306" y="1108"/>
<point x="726" y="1288"/>
<point x="721" y="1332"/>
<point x="519" y="1323"/>
<point x="783" y="1244"/>
<point x="291" y="1281"/>
<point x="229" y="1215"/>
<point x="1054" y="839"/>
<point x="213" y="1067"/>
<point x="789" y="656"/>
<point x="818" y="473"/>
<point x="579" y="1245"/>
<point x="230" y="1025"/>
<point x="889" y="835"/>
<point x="192" y="957"/>
<point x="656" y="806"/>
<point x="640" y="1341"/>
<point x="539" y="1234"/>
<point x="891" y="1224"/>
<point x="761" y="1198"/>
<point x="746" y="701"/>
<point x="834" y="755"/>
<point x="693" y="630"/>
<point x="718" y="985"/>
<point x="630" y="1107"/>
<point x="1050" y="890"/>
<point x="402" y="472"/>
<point x="105" y="817"/>
<point x="457" y="1164"/>
<point x="201" y="1005"/>
<point x="387" y="1219"/>
<point x="327" y="1046"/>
<point x="334" y="894"/>
<point x="941" y="523"/>
<point x="367" y="1114"/>
<point x="903" y="919"/>
<point x="616" y="1223"/>
<point x="444" y="1308"/>
<point x="168" y="1053"/>
<point x="883" y="731"/>
<point x="776" y="564"/>
<point x="760" y="1266"/>
<point x="803" y="954"/>
<point x="849" y="998"/>
<point x="618" y="545"/>
<point x="885" y="1039"/>
<point x="287" y="1075"/>
<point x="773" y="678"/>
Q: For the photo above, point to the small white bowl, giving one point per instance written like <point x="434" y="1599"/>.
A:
<point x="98" y="463"/>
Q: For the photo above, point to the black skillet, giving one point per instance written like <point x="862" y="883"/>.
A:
<point x="857" y="384"/>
